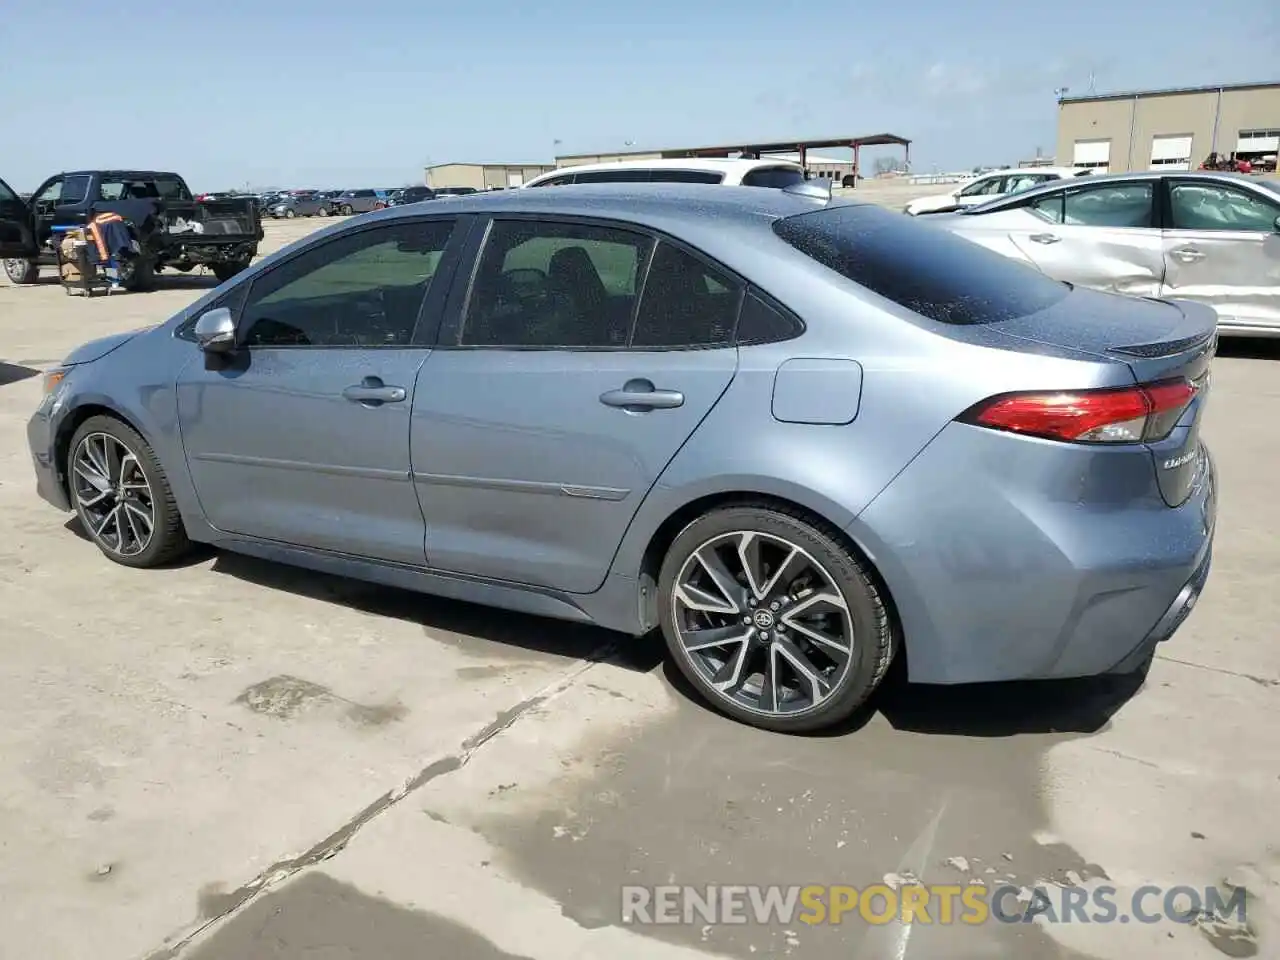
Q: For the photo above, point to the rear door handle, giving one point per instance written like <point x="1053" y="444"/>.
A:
<point x="1188" y="254"/>
<point x="372" y="392"/>
<point x="642" y="395"/>
<point x="1045" y="237"/>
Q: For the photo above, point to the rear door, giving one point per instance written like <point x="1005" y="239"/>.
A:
<point x="1222" y="249"/>
<point x="16" y="241"/>
<point x="1100" y="235"/>
<point x="577" y="364"/>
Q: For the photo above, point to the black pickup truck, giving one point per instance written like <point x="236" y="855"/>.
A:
<point x="173" y="228"/>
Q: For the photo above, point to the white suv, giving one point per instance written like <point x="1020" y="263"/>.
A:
<point x="989" y="186"/>
<point x="730" y="173"/>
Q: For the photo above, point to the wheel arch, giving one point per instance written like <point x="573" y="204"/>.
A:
<point x="665" y="533"/>
<point x="72" y="422"/>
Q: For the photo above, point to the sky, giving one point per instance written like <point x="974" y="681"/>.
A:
<point x="333" y="93"/>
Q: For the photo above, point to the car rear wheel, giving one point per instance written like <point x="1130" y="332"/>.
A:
<point x="289" y="214"/>
<point x="225" y="271"/>
<point x="122" y="496"/>
<point x="772" y="619"/>
<point x="322" y="211"/>
<point x="346" y="210"/>
<point x="21" y="271"/>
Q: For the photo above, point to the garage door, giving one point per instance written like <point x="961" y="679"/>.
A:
<point x="1092" y="154"/>
<point x="1171" y="152"/>
<point x="1258" y="141"/>
<point x="514" y="178"/>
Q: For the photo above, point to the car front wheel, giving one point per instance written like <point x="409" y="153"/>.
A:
<point x="122" y="496"/>
<point x="772" y="619"/>
<point x="22" y="272"/>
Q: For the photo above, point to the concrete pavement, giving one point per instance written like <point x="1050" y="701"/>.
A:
<point x="234" y="760"/>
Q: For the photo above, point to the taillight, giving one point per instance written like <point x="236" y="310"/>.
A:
<point x="1136" y="414"/>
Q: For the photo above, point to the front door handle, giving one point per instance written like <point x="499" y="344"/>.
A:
<point x="640" y="395"/>
<point x="1045" y="237"/>
<point x="372" y="392"/>
<point x="1188" y="254"/>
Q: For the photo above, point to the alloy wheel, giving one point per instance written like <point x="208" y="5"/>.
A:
<point x="112" y="494"/>
<point x="763" y="623"/>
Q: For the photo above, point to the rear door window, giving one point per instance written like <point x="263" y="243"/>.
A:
<point x="685" y="176"/>
<point x="777" y="177"/>
<point x="926" y="269"/>
<point x="987" y="187"/>
<point x="686" y="303"/>
<point x="614" y="176"/>
<point x="1196" y="206"/>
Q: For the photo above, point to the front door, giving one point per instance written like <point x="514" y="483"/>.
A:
<point x="1222" y="247"/>
<point x="548" y="413"/>
<point x="303" y="435"/>
<point x="1101" y="235"/>
<point x="16" y="240"/>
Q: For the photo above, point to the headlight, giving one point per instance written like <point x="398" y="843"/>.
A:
<point x="54" y="377"/>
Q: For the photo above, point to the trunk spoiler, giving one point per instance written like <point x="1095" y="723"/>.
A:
<point x="819" y="189"/>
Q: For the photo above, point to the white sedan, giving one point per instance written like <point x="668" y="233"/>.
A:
<point x="980" y="189"/>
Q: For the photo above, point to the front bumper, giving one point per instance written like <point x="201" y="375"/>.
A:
<point x="42" y="432"/>
<point x="1015" y="559"/>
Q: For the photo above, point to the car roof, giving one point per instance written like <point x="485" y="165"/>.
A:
<point x="718" y="164"/>
<point x="688" y="210"/>
<point x="1017" y="171"/>
<point x="133" y="174"/>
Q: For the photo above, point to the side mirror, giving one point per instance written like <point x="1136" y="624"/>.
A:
<point x="215" y="331"/>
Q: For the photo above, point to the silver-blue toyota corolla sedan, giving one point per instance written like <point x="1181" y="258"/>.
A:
<point x="799" y="437"/>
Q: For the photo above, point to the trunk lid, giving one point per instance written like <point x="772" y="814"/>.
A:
<point x="1157" y="340"/>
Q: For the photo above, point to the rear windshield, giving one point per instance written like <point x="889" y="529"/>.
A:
<point x="777" y="177"/>
<point x="921" y="267"/>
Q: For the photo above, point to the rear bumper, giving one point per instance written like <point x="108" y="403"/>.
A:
<point x="1010" y="558"/>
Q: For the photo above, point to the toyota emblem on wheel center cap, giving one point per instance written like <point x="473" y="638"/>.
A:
<point x="763" y="619"/>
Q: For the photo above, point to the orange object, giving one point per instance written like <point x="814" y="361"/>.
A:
<point x="95" y="228"/>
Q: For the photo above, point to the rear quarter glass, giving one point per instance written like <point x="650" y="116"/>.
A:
<point x="926" y="269"/>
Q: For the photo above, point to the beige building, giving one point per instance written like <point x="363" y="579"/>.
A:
<point x="1172" y="129"/>
<point x="483" y="176"/>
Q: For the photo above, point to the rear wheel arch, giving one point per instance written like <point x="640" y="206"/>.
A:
<point x="664" y="536"/>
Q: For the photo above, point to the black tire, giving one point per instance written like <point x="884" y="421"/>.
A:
<point x="22" y="272"/>
<point x="346" y="210"/>
<point x="873" y="639"/>
<point x="141" y="276"/>
<point x="225" y="271"/>
<point x="169" y="537"/>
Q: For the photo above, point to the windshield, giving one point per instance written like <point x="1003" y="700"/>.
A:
<point x="928" y="270"/>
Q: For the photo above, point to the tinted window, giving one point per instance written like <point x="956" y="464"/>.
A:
<point x="361" y="290"/>
<point x="779" y="177"/>
<point x="685" y="176"/>
<point x="685" y="303"/>
<point x="559" y="181"/>
<point x="926" y="269"/>
<point x="613" y="176"/>
<point x="761" y="322"/>
<point x="544" y="284"/>
<point x="171" y="188"/>
<point x="5" y="192"/>
<point x="74" y="189"/>
<point x="1197" y="206"/>
<point x="1113" y="205"/>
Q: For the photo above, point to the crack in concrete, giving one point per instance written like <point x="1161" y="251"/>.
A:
<point x="216" y="907"/>
<point x="1261" y="681"/>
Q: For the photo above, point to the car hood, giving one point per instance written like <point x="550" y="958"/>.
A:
<point x="97" y="349"/>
